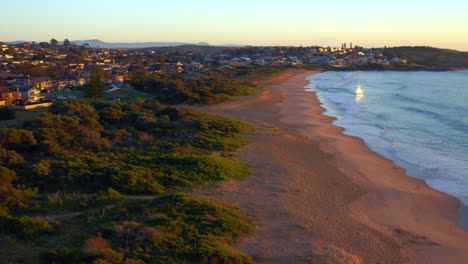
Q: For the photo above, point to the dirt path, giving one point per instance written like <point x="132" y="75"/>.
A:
<point x="126" y="198"/>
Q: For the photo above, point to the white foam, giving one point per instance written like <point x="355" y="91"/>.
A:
<point x="427" y="147"/>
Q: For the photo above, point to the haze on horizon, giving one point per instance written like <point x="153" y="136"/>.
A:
<point x="255" y="22"/>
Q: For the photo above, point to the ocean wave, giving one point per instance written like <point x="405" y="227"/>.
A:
<point x="451" y="122"/>
<point x="423" y="129"/>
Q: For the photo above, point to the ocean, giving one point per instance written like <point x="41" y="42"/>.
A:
<point x="419" y="120"/>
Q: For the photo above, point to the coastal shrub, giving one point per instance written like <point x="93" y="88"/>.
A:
<point x="96" y="245"/>
<point x="111" y="113"/>
<point x="65" y="256"/>
<point x="138" y="180"/>
<point x="218" y="141"/>
<point x="74" y="107"/>
<point x="17" y="139"/>
<point x="32" y="226"/>
<point x="43" y="168"/>
<point x="175" y="228"/>
<point x="60" y="131"/>
<point x="11" y="196"/>
<point x="209" y="122"/>
<point x="10" y="158"/>
<point x="176" y="90"/>
<point x="109" y="194"/>
<point x="87" y="156"/>
<point x="27" y="227"/>
<point x="110" y="256"/>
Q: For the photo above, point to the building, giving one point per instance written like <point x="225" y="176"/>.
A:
<point x="31" y="94"/>
<point x="44" y="83"/>
<point x="66" y="83"/>
<point x="9" y="94"/>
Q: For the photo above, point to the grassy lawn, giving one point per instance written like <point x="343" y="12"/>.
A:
<point x="65" y="93"/>
<point x="127" y="95"/>
<point x="22" y="116"/>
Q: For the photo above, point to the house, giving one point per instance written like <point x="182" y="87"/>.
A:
<point x="44" y="83"/>
<point x="118" y="78"/>
<point x="322" y="60"/>
<point x="66" y="83"/>
<point x="31" y="94"/>
<point x="8" y="94"/>
<point x="80" y="81"/>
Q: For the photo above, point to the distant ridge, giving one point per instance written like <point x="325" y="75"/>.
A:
<point x="130" y="45"/>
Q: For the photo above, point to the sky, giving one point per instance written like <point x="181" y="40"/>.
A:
<point x="367" y="23"/>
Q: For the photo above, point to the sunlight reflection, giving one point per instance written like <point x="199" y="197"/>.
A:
<point x="359" y="94"/>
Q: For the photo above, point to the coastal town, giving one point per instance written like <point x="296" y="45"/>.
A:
<point x="30" y="73"/>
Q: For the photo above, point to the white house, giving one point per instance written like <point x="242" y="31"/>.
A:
<point x="31" y="94"/>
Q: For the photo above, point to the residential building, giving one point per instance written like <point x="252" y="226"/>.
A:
<point x="8" y="94"/>
<point x="44" y="83"/>
<point x="66" y="83"/>
<point x="31" y="94"/>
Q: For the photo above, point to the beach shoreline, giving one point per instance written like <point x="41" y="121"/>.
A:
<point x="320" y="195"/>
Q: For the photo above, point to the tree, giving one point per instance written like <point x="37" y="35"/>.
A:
<point x="66" y="43"/>
<point x="95" y="88"/>
<point x="53" y="42"/>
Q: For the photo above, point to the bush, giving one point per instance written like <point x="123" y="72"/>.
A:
<point x="74" y="107"/>
<point x="109" y="195"/>
<point x="176" y="228"/>
<point x="28" y="227"/>
<point x="11" y="196"/>
<point x="17" y="139"/>
<point x="65" y="256"/>
<point x="96" y="245"/>
<point x="10" y="158"/>
<point x="176" y="90"/>
<point x="135" y="148"/>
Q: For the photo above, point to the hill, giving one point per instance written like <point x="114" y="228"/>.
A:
<point x="128" y="45"/>
<point x="429" y="57"/>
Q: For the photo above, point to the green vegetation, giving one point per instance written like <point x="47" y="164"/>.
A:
<point x="95" y="88"/>
<point x="430" y="58"/>
<point x="176" y="90"/>
<point x="176" y="228"/>
<point x="126" y="95"/>
<point x="67" y="180"/>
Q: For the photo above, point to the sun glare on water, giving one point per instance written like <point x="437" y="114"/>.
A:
<point x="359" y="93"/>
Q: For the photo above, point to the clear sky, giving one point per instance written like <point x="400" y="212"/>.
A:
<point x="366" y="23"/>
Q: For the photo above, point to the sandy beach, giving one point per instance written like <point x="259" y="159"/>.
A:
<point x="323" y="197"/>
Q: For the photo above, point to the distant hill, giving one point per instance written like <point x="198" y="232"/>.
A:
<point x="141" y="45"/>
<point x="129" y="45"/>
<point x="431" y="58"/>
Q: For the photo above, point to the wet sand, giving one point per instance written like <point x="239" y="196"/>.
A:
<point x="323" y="197"/>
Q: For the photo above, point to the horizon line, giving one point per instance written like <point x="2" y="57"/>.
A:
<point x="209" y="44"/>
